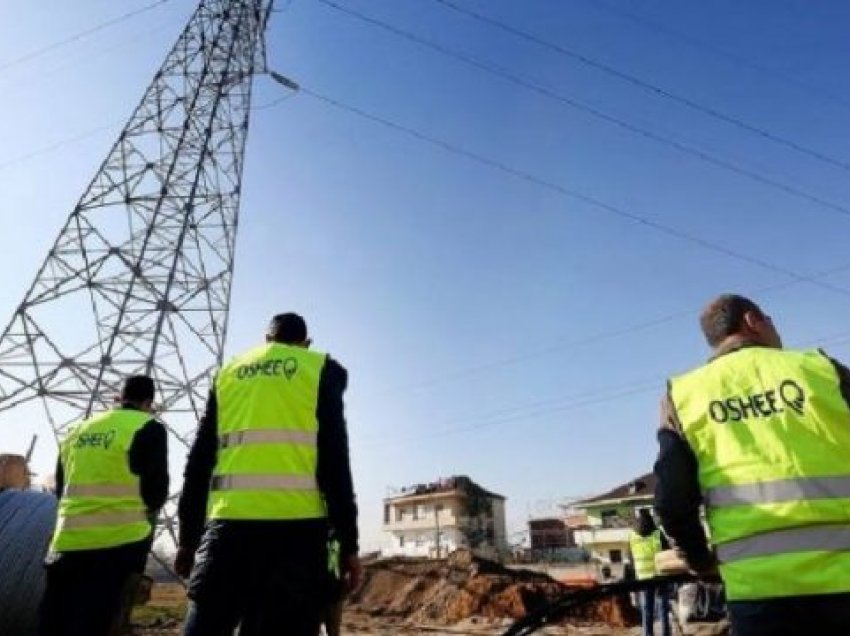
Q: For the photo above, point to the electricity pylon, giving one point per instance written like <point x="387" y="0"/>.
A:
<point x="139" y="278"/>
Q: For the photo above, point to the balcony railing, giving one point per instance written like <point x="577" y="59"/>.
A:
<point x="409" y="523"/>
<point x="602" y="535"/>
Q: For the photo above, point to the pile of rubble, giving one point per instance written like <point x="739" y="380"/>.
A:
<point x="447" y="591"/>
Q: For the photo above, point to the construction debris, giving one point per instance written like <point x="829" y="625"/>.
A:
<point x="447" y="591"/>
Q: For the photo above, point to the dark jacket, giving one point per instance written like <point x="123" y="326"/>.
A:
<point x="333" y="472"/>
<point x="677" y="494"/>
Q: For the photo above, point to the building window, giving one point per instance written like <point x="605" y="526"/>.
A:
<point x="398" y="515"/>
<point x="415" y="511"/>
<point x="386" y="513"/>
<point x="616" y="556"/>
<point x="401" y="541"/>
<point x="609" y="518"/>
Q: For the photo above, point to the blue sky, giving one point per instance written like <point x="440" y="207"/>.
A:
<point x="492" y="326"/>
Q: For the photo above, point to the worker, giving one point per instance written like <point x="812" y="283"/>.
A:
<point x="112" y="480"/>
<point x="761" y="437"/>
<point x="269" y="472"/>
<point x="645" y="541"/>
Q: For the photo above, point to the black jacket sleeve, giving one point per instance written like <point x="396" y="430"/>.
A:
<point x="678" y="499"/>
<point x="60" y="478"/>
<point x="148" y="458"/>
<point x="192" y="508"/>
<point x="333" y="471"/>
<point x="843" y="378"/>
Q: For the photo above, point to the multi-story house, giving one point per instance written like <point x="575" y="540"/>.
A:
<point x="432" y="520"/>
<point x="610" y="517"/>
<point x="549" y="533"/>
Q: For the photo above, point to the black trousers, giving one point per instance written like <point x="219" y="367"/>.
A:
<point x="84" y="589"/>
<point x="821" y="615"/>
<point x="269" y="577"/>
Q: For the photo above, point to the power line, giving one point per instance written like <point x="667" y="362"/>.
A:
<point x="588" y="398"/>
<point x="521" y="416"/>
<point x="57" y="144"/>
<point x="69" y="63"/>
<point x="657" y="90"/>
<point x="814" y="278"/>
<point x="603" y="336"/>
<point x="79" y="36"/>
<point x="594" y="112"/>
<point x="738" y="59"/>
<point x="573" y="194"/>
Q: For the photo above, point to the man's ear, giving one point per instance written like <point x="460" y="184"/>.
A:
<point x="752" y="320"/>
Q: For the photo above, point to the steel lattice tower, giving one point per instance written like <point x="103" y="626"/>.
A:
<point x="139" y="279"/>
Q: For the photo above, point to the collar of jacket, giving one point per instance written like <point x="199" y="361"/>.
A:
<point x="730" y="346"/>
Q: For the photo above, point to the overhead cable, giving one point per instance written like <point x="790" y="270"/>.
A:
<point x="633" y="217"/>
<point x="739" y="60"/>
<point x="543" y="408"/>
<point x="595" y="112"/>
<point x="56" y="145"/>
<point x="610" y="334"/>
<point x="657" y="90"/>
<point x="79" y="36"/>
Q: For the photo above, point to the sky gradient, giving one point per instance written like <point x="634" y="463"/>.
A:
<point x="510" y="313"/>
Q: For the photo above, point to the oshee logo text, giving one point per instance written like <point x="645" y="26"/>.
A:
<point x="788" y="394"/>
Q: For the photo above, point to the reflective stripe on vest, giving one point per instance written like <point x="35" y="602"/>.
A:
<point x="105" y="519"/>
<point x="264" y="482"/>
<point x="267" y="456"/>
<point x="265" y="436"/>
<point x="644" y="550"/>
<point x="100" y="490"/>
<point x="779" y="491"/>
<point x="101" y="504"/>
<point x="771" y="434"/>
<point x="806" y="539"/>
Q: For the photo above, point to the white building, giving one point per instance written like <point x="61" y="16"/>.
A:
<point x="432" y="520"/>
<point x="610" y="517"/>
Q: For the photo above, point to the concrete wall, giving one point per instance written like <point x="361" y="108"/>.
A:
<point x="499" y="525"/>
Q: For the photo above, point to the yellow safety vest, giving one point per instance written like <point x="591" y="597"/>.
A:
<point x="644" y="550"/>
<point x="771" y="434"/>
<point x="267" y="426"/>
<point x="101" y="505"/>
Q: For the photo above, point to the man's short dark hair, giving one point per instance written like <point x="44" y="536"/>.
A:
<point x="724" y="316"/>
<point x="288" y="328"/>
<point x="138" y="389"/>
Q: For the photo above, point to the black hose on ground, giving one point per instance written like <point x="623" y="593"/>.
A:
<point x="555" y="611"/>
<point x="26" y="525"/>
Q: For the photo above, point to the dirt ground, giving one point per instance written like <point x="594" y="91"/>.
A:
<point x="453" y="596"/>
<point x="163" y="616"/>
